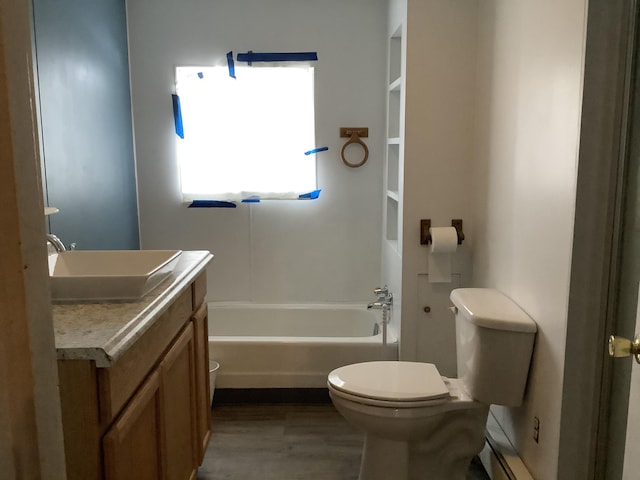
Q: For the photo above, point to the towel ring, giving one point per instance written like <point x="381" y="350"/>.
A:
<point x="355" y="138"/>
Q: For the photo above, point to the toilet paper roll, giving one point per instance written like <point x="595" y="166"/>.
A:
<point x="444" y="242"/>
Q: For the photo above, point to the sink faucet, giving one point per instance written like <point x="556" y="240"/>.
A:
<point x="56" y="242"/>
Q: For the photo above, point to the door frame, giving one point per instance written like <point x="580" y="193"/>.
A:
<point x="31" y="443"/>
<point x="608" y="75"/>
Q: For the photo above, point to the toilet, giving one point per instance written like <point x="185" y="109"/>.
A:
<point x="421" y="425"/>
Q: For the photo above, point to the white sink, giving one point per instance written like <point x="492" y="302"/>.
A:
<point x="81" y="275"/>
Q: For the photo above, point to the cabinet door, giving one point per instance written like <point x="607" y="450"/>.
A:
<point x="436" y="328"/>
<point x="133" y="445"/>
<point x="178" y="389"/>
<point x="203" y="405"/>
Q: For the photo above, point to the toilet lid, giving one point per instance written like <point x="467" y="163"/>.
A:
<point x="397" y="381"/>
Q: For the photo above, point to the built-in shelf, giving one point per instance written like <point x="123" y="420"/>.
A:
<point x="392" y="219"/>
<point x="393" y="166"/>
<point x="393" y="203"/>
<point x="394" y="113"/>
<point x="394" y="195"/>
<point x="395" y="55"/>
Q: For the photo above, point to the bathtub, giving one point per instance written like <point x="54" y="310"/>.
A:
<point x="292" y="346"/>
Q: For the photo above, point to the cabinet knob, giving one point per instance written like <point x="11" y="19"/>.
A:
<point x="427" y="309"/>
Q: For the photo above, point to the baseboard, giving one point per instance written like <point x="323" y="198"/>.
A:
<point x="499" y="458"/>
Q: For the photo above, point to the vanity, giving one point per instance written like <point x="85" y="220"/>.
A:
<point x="134" y="380"/>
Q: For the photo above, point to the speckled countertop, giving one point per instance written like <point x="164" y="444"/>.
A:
<point x="104" y="331"/>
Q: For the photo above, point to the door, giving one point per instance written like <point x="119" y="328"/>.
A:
<point x="178" y="387"/>
<point x="623" y="452"/>
<point x="623" y="455"/>
<point x="436" y="330"/>
<point x="631" y="465"/>
<point x="623" y="445"/>
<point x="203" y="402"/>
<point x="132" y="446"/>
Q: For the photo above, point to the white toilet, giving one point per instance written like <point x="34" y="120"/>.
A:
<point x="420" y="425"/>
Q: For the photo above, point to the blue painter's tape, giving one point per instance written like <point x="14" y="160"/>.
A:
<point x="251" y="57"/>
<point x="316" y="150"/>
<point x="247" y="57"/>
<point x="254" y="199"/>
<point x="200" y="75"/>
<point x="231" y="65"/>
<point x="211" y="204"/>
<point x="311" y="195"/>
<point x="177" y="115"/>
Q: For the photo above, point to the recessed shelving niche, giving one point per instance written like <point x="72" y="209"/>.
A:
<point x="392" y="219"/>
<point x="393" y="156"/>
<point x="394" y="113"/>
<point x="393" y="203"/>
<point x="395" y="56"/>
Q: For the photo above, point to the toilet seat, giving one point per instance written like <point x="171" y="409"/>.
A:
<point x="390" y="384"/>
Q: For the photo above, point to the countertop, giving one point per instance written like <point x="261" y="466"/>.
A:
<point x="104" y="331"/>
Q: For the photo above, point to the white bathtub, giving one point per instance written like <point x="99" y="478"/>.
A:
<point x="291" y="346"/>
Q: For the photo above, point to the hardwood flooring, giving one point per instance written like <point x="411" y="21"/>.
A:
<point x="286" y="442"/>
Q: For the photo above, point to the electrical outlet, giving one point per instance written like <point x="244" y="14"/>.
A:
<point x="536" y="429"/>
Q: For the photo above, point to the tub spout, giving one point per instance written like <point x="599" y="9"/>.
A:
<point x="385" y="301"/>
<point x="378" y="305"/>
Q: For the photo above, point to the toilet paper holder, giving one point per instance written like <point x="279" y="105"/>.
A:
<point x="425" y="235"/>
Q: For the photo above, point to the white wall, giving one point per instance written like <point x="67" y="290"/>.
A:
<point x="322" y="250"/>
<point x="436" y="140"/>
<point x="438" y="151"/>
<point x="530" y="72"/>
<point x="523" y="164"/>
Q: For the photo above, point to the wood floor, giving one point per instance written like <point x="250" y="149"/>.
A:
<point x="285" y="442"/>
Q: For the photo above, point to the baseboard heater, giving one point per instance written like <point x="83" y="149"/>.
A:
<point x="499" y="458"/>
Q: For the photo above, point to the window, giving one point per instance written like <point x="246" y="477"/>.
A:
<point x="248" y="136"/>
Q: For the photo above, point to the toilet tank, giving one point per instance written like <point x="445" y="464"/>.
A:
<point x="494" y="340"/>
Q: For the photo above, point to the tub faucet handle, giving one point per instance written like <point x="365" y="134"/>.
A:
<point x="383" y="303"/>
<point x="381" y="291"/>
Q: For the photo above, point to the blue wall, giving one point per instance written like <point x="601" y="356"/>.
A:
<point x="85" y="108"/>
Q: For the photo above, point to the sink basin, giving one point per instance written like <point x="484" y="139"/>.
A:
<point x="82" y="275"/>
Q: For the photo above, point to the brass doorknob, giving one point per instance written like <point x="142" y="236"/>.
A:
<point x="623" y="347"/>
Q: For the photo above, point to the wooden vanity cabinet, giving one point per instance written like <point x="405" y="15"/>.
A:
<point x="178" y="409"/>
<point x="203" y="402"/>
<point x="147" y="417"/>
<point x="133" y="445"/>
